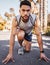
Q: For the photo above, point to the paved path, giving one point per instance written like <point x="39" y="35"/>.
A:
<point x="31" y="58"/>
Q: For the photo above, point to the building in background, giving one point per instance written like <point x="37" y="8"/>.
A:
<point x="43" y="14"/>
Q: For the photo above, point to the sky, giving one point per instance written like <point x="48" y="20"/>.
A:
<point x="5" y="5"/>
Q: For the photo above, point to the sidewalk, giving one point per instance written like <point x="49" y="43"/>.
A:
<point x="31" y="58"/>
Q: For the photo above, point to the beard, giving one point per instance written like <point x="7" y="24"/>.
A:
<point x="25" y="18"/>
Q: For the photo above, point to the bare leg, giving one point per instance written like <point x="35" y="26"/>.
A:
<point x="27" y="45"/>
<point x="20" y="36"/>
<point x="23" y="43"/>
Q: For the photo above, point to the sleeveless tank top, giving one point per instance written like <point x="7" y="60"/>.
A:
<point x="28" y="26"/>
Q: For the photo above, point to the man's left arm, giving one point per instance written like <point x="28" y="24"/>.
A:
<point x="40" y="42"/>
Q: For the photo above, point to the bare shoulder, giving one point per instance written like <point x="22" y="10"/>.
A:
<point x="37" y="22"/>
<point x="14" y="22"/>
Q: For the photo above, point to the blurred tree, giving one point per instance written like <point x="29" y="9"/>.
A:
<point x="48" y="19"/>
<point x="7" y="15"/>
<point x="11" y="9"/>
<point x="2" y="23"/>
<point x="38" y="1"/>
<point x="12" y="12"/>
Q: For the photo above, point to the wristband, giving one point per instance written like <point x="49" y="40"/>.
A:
<point x="42" y="51"/>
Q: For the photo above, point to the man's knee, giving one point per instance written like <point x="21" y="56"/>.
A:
<point x="20" y="35"/>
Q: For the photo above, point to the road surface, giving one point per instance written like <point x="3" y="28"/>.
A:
<point x="31" y="58"/>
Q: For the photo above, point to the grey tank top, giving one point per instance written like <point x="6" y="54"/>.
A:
<point x="28" y="26"/>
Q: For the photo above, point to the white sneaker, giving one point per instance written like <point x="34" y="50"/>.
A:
<point x="21" y="51"/>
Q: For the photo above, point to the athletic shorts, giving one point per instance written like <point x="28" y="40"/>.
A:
<point x="28" y="37"/>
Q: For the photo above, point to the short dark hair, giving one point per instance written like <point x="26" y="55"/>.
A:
<point x="25" y="2"/>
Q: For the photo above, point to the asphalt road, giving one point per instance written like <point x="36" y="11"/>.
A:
<point x="31" y="58"/>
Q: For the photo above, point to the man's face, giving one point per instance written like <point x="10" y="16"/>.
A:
<point x="25" y="11"/>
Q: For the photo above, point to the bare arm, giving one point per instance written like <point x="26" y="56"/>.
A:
<point x="12" y="36"/>
<point x="40" y="42"/>
<point x="38" y="34"/>
<point x="11" y="43"/>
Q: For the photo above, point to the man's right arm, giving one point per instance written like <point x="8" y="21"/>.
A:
<point x="11" y="43"/>
<point x="12" y="36"/>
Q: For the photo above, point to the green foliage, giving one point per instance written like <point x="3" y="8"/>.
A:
<point x="48" y="31"/>
<point x="48" y="23"/>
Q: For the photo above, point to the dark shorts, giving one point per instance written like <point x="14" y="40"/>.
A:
<point x="28" y="37"/>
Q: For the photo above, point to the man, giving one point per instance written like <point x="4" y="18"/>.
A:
<point x="22" y="26"/>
